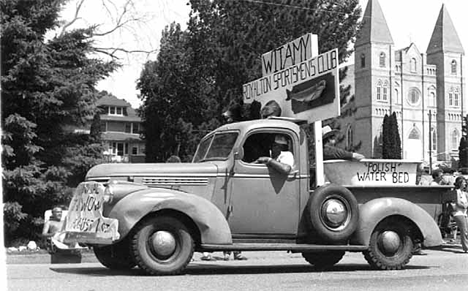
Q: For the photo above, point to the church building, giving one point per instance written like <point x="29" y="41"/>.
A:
<point x="426" y="91"/>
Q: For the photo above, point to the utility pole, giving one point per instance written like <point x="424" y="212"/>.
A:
<point x="430" y="142"/>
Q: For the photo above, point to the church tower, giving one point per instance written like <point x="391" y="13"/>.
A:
<point x="446" y="52"/>
<point x="373" y="73"/>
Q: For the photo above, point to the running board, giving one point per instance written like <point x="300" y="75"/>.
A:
<point x="282" y="247"/>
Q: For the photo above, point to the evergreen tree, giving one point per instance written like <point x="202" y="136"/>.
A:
<point x="47" y="90"/>
<point x="95" y="130"/>
<point x="391" y="141"/>
<point x="386" y="138"/>
<point x="397" y="140"/>
<point x="463" y="147"/>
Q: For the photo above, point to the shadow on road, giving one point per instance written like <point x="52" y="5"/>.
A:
<point x="450" y="248"/>
<point x="219" y="269"/>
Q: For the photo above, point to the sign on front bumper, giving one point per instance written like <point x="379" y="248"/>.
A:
<point x="85" y="223"/>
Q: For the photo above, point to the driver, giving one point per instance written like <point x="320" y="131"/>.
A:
<point x="282" y="160"/>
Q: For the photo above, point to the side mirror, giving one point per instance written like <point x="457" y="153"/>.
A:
<point x="239" y="153"/>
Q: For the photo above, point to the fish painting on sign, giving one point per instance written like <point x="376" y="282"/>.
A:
<point x="312" y="93"/>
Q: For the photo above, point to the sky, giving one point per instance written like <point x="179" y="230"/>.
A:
<point x="409" y="21"/>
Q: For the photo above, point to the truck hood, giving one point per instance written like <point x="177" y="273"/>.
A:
<point x="199" y="179"/>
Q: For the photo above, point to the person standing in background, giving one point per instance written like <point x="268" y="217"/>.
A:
<point x="232" y="114"/>
<point x="459" y="212"/>
<point x="54" y="224"/>
<point x="438" y="177"/>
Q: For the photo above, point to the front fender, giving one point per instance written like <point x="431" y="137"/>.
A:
<point x="374" y="211"/>
<point x="213" y="227"/>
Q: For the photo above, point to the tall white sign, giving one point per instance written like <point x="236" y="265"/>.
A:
<point x="307" y="90"/>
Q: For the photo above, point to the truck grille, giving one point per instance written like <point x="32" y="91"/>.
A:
<point x="176" y="181"/>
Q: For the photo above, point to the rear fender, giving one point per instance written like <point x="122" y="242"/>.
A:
<point x="374" y="211"/>
<point x="211" y="223"/>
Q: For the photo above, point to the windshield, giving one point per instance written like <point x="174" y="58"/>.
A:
<point x="216" y="147"/>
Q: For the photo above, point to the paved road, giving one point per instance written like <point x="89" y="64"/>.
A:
<point x="439" y="270"/>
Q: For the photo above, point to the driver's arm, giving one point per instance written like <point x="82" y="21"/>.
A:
<point x="270" y="162"/>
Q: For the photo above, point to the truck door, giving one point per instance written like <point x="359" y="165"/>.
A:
<point x="263" y="201"/>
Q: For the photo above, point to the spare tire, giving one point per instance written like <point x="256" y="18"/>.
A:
<point x="333" y="213"/>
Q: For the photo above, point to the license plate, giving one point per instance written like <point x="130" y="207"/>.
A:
<point x="85" y="213"/>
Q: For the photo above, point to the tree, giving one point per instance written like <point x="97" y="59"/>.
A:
<point x="220" y="51"/>
<point x="95" y="130"/>
<point x="391" y="142"/>
<point x="171" y="106"/>
<point x="48" y="88"/>
<point x="125" y="19"/>
<point x="463" y="147"/>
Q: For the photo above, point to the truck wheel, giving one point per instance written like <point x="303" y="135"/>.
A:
<point x="323" y="260"/>
<point x="116" y="257"/>
<point x="390" y="245"/>
<point x="333" y="213"/>
<point x="162" y="245"/>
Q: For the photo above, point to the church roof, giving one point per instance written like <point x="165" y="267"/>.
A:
<point x="444" y="37"/>
<point x="374" y="26"/>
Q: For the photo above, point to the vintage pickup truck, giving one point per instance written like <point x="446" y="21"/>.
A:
<point x="157" y="215"/>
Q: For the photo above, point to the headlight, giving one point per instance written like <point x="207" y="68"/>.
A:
<point x="109" y="192"/>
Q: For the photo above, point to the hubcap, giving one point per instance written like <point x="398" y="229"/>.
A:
<point x="334" y="213"/>
<point x="163" y="243"/>
<point x="389" y="242"/>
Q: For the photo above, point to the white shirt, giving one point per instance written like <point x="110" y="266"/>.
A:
<point x="286" y="158"/>
<point x="461" y="199"/>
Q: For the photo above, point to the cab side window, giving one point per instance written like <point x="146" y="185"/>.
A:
<point x="259" y="145"/>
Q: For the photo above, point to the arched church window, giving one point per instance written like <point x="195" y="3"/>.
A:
<point x="432" y="100"/>
<point x="397" y="93"/>
<point x="453" y="67"/>
<point x="385" y="91"/>
<point x="382" y="59"/>
<point x="455" y="139"/>
<point x="450" y="97"/>
<point x="456" y="97"/>
<point x="379" y="89"/>
<point x="363" y="60"/>
<point x="397" y="96"/>
<point x="413" y="65"/>
<point x="434" y="139"/>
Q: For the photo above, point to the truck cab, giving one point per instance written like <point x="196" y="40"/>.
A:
<point x="156" y="215"/>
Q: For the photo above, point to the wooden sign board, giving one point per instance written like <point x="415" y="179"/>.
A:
<point x="290" y="54"/>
